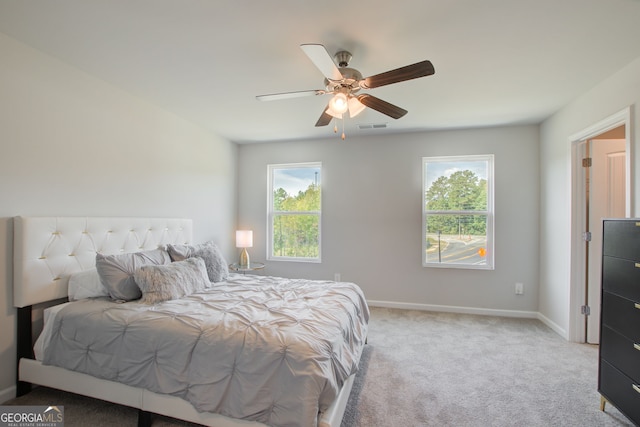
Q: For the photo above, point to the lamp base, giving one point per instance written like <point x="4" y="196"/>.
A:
<point x="244" y="259"/>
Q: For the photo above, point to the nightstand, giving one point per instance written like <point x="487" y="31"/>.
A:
<point x="253" y="266"/>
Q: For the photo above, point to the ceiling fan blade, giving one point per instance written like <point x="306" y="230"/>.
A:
<point x="287" y="95"/>
<point x="321" y="59"/>
<point x="384" y="107"/>
<point x="419" y="69"/>
<point x="324" y="119"/>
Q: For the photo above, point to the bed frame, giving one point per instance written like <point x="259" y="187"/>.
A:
<point x="49" y="249"/>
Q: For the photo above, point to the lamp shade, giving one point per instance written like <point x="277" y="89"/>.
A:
<point x="244" y="238"/>
<point x="339" y="103"/>
<point x="333" y="113"/>
<point x="355" y="106"/>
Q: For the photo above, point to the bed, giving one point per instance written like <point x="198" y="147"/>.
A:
<point x="243" y="350"/>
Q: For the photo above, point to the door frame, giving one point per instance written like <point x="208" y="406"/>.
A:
<point x="578" y="263"/>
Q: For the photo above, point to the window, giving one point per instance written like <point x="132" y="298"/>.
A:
<point x="457" y="216"/>
<point x="294" y="212"/>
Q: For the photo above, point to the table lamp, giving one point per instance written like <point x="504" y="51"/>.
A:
<point x="244" y="240"/>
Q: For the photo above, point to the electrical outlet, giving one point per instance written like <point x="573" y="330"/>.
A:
<point x="336" y="277"/>
<point x="519" y="288"/>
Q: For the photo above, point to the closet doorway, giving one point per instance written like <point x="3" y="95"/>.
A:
<point x="601" y="189"/>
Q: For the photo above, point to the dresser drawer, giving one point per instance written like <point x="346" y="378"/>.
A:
<point x="622" y="239"/>
<point x="621" y="315"/>
<point x="618" y="389"/>
<point x="621" y="352"/>
<point x="621" y="277"/>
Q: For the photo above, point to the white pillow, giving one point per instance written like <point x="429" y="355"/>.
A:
<point x="86" y="284"/>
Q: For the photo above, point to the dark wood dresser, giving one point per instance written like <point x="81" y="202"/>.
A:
<point x="619" y="373"/>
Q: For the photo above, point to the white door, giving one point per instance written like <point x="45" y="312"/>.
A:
<point x="606" y="199"/>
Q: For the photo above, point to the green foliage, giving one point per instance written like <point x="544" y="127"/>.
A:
<point x="462" y="191"/>
<point x="279" y="197"/>
<point x="304" y="201"/>
<point x="296" y="235"/>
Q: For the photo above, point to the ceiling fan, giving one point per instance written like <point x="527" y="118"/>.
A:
<point x="345" y="83"/>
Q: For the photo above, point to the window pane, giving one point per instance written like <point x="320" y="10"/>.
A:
<point x="458" y="212"/>
<point x="295" y="236"/>
<point x="456" y="239"/>
<point x="296" y="189"/>
<point x="456" y="185"/>
<point x="294" y="212"/>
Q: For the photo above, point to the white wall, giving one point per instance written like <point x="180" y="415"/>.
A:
<point x="371" y="220"/>
<point x="606" y="99"/>
<point x="72" y="145"/>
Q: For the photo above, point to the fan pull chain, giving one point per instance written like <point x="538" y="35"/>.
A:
<point x="335" y="127"/>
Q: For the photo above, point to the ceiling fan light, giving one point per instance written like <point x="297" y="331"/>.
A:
<point x="355" y="106"/>
<point x="333" y="113"/>
<point x="339" y="103"/>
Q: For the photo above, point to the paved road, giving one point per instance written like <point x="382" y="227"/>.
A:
<point x="456" y="250"/>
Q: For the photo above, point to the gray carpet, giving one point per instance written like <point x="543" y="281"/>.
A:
<point x="437" y="369"/>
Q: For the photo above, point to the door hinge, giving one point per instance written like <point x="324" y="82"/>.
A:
<point x="586" y="310"/>
<point x="586" y="162"/>
<point x="586" y="236"/>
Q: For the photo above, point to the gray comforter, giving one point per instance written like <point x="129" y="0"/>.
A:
<point x="259" y="348"/>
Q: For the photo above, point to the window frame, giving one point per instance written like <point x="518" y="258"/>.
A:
<point x="272" y="213"/>
<point x="489" y="213"/>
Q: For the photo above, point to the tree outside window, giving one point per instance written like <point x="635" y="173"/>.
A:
<point x="294" y="212"/>
<point x="458" y="212"/>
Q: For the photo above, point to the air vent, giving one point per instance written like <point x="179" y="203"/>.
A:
<point x="372" y="126"/>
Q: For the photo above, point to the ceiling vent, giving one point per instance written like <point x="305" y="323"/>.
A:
<point x="372" y="126"/>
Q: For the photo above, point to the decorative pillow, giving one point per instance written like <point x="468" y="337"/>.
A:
<point x="166" y="282"/>
<point x="116" y="271"/>
<point x="217" y="268"/>
<point x="86" y="284"/>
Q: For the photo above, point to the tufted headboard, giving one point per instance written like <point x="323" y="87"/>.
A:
<point x="46" y="250"/>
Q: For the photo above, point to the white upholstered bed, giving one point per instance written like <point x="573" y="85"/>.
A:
<point x="48" y="250"/>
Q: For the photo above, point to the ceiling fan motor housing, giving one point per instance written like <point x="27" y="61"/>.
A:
<point x="350" y="76"/>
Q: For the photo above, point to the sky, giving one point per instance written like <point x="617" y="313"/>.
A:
<point x="295" y="179"/>
<point x="298" y="179"/>
<point x="436" y="169"/>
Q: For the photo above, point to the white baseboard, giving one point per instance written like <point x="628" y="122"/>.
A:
<point x="7" y="394"/>
<point x="455" y="309"/>
<point x="554" y="326"/>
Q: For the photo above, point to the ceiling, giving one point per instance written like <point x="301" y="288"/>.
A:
<point x="498" y="62"/>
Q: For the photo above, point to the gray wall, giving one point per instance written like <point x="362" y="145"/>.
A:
<point x="371" y="218"/>
<point x="72" y="145"/>
<point x="619" y="91"/>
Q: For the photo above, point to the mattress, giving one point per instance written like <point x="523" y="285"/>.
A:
<point x="259" y="348"/>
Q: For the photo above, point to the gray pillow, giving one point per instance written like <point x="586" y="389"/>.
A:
<point x="116" y="271"/>
<point x="166" y="282"/>
<point x="217" y="268"/>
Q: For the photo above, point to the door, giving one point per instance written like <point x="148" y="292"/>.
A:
<point x="606" y="192"/>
